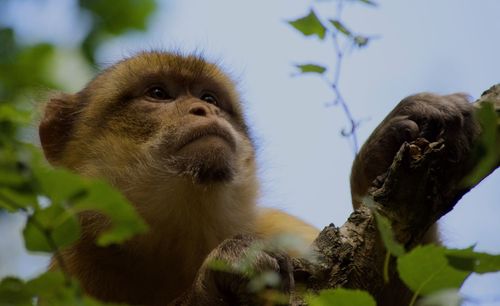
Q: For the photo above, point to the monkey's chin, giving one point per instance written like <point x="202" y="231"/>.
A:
<point x="207" y="160"/>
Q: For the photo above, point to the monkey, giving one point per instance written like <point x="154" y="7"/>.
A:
<point x="169" y="132"/>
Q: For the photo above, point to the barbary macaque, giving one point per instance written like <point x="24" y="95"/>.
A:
<point x="168" y="131"/>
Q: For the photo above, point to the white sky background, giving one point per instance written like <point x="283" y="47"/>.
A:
<point x="441" y="46"/>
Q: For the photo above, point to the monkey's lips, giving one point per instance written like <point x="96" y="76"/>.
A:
<point x="205" y="132"/>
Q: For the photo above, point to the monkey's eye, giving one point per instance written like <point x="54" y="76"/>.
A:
<point x="158" y="93"/>
<point x="209" y="98"/>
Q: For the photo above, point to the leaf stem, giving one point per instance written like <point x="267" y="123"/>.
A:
<point x="387" y="260"/>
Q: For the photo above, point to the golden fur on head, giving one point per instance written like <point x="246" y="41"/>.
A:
<point x="111" y="129"/>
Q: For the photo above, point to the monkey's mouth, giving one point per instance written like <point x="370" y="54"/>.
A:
<point x="204" y="131"/>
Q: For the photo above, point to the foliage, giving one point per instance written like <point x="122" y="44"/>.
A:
<point x="52" y="199"/>
<point x="488" y="149"/>
<point x="341" y="297"/>
<point x="109" y="19"/>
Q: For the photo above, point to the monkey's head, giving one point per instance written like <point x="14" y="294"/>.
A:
<point x="155" y="121"/>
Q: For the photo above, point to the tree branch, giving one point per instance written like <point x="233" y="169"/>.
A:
<point x="350" y="256"/>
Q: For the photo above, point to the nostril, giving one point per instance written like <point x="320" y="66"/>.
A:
<point x="198" y="111"/>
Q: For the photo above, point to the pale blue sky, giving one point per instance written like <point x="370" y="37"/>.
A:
<point x="441" y="46"/>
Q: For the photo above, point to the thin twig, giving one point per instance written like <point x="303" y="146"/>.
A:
<point x="339" y="100"/>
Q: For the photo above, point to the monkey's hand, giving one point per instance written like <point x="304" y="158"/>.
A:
<point x="432" y="117"/>
<point x="235" y="273"/>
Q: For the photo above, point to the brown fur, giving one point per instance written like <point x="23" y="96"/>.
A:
<point x="193" y="198"/>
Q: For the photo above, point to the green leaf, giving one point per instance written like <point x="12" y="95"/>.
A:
<point x="53" y="289"/>
<point x="117" y="19"/>
<point x="448" y="297"/>
<point x="14" y="201"/>
<point x="361" y="41"/>
<point x="385" y="229"/>
<point x="124" y="219"/>
<point x="9" y="177"/>
<point x="50" y="228"/>
<point x="50" y="287"/>
<point x="10" y="113"/>
<point x="369" y="2"/>
<point x="13" y="291"/>
<point x="23" y="69"/>
<point x="489" y="144"/>
<point x="425" y="270"/>
<point x="81" y="194"/>
<point x="311" y="68"/>
<point x="468" y="260"/>
<point x="59" y="185"/>
<point x="309" y="25"/>
<point x="340" y="27"/>
<point x="341" y="297"/>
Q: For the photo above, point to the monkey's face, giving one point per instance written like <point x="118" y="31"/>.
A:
<point x="151" y="119"/>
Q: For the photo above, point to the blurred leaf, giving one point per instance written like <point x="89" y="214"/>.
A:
<point x="13" y="291"/>
<point x="60" y="185"/>
<point x="11" y="114"/>
<point x="54" y="223"/>
<point x="340" y="27"/>
<point x="53" y="289"/>
<point x="82" y="194"/>
<point x="118" y="18"/>
<point x="266" y="279"/>
<point x="9" y="177"/>
<point x="385" y="229"/>
<point x="50" y="287"/>
<point x="489" y="144"/>
<point x="124" y="219"/>
<point x="309" y="25"/>
<point x="13" y="201"/>
<point x="8" y="47"/>
<point x="220" y="265"/>
<point x="311" y="68"/>
<point x="425" y="270"/>
<point x="369" y="2"/>
<point x="110" y="19"/>
<point x="468" y="260"/>
<point x="341" y="297"/>
<point x="22" y="69"/>
<point x="448" y="297"/>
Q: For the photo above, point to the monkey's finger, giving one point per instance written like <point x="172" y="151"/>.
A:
<point x="404" y="129"/>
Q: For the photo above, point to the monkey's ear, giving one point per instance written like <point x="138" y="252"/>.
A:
<point x="56" y="126"/>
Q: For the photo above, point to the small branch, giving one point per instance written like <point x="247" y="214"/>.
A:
<point x="339" y="100"/>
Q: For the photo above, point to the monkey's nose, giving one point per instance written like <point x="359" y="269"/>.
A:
<point x="199" y="110"/>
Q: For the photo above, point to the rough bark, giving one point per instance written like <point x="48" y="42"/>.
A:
<point x="419" y="188"/>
